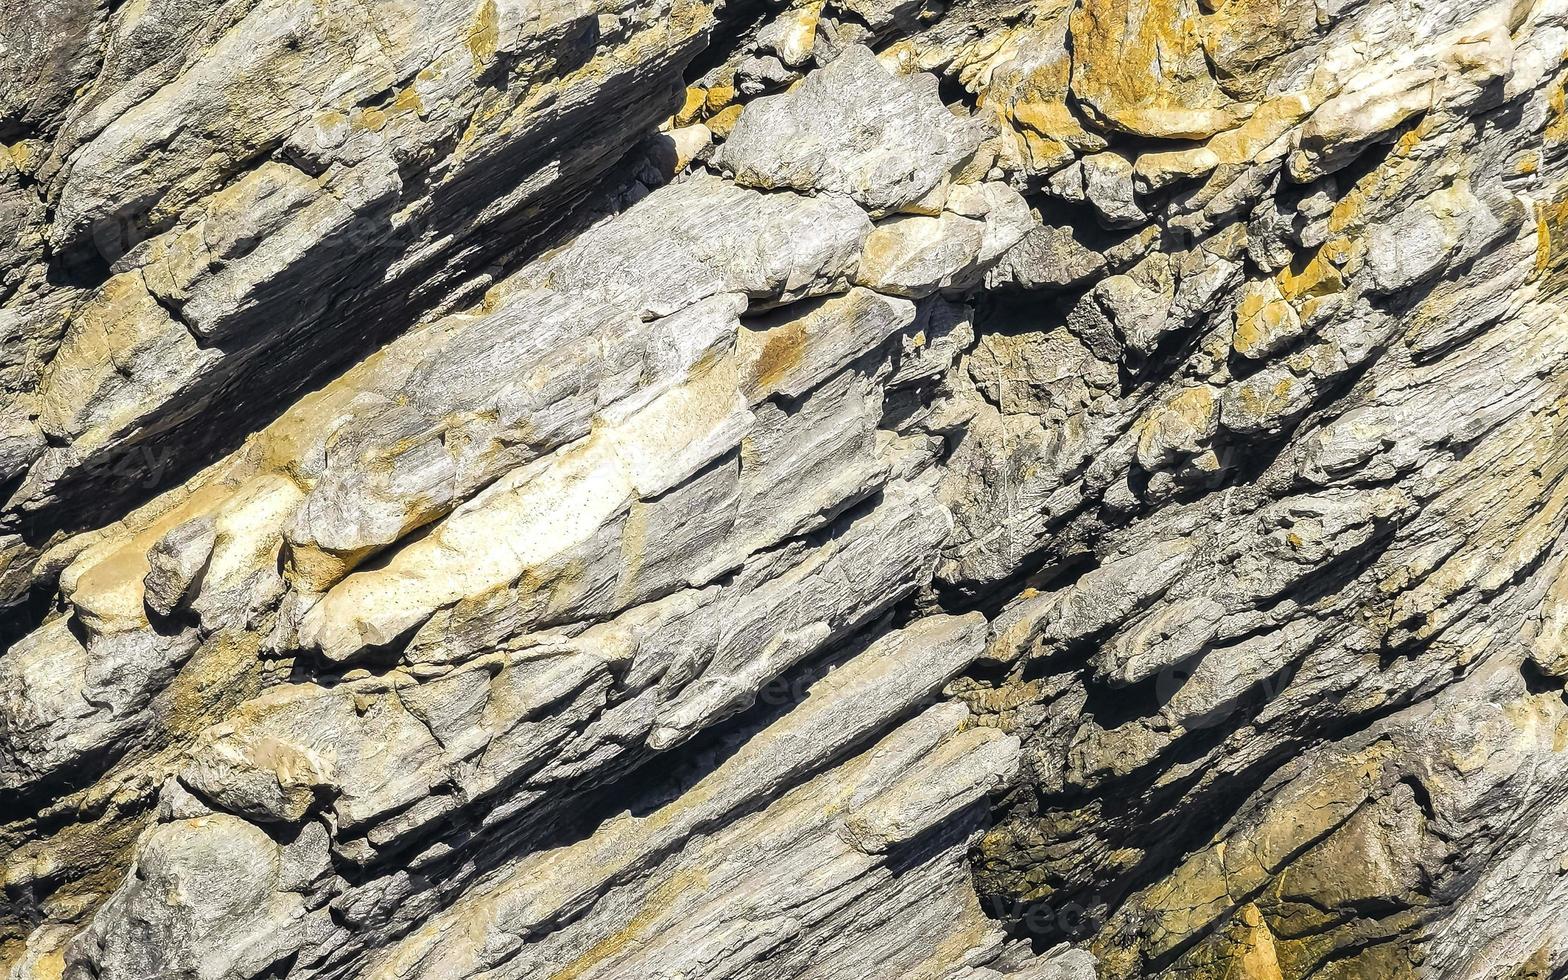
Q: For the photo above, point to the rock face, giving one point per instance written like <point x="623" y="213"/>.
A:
<point x="682" y="491"/>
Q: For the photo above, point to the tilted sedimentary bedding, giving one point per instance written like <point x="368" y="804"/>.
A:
<point x="573" y="490"/>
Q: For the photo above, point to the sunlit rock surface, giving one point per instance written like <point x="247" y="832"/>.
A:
<point x="576" y="490"/>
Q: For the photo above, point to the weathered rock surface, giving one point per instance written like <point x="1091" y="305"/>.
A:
<point x="991" y="491"/>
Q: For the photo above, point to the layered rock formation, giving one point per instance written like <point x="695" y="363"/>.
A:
<point x="841" y="490"/>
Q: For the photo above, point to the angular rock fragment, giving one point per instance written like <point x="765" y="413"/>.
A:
<point x="853" y="128"/>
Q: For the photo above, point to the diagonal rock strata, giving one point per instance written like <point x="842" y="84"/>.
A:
<point x="585" y="490"/>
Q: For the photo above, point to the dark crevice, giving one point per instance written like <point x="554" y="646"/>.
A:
<point x="1538" y="682"/>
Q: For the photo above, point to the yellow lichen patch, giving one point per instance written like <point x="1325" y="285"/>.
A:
<point x="50" y="967"/>
<point x="484" y="35"/>
<point x="1025" y="88"/>
<point x="1543" y="236"/>
<point x="1264" y="321"/>
<point x="408" y="100"/>
<point x="1139" y="66"/>
<point x="1556" y="111"/>
<point x="1242" y="145"/>
<point x="1192" y="407"/>
<point x="1310" y="276"/>
<point x="308" y="568"/>
<point x="722" y="123"/>
<point x="782" y="350"/>
<point x="21" y="154"/>
<point x="1385" y="182"/>
<point x="692" y="107"/>
<point x="1537" y="967"/>
<point x="1338" y="252"/>
<point x="799" y="33"/>
<point x="1180" y="426"/>
<point x="1257" y="959"/>
<point x="1551" y="228"/>
<point x="991" y="701"/>
<point x="718" y="98"/>
<point x="369" y="119"/>
<point x="1222" y="892"/>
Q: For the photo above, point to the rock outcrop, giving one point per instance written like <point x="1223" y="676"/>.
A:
<point x="988" y="491"/>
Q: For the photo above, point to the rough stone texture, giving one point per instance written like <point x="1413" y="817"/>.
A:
<point x="670" y="491"/>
